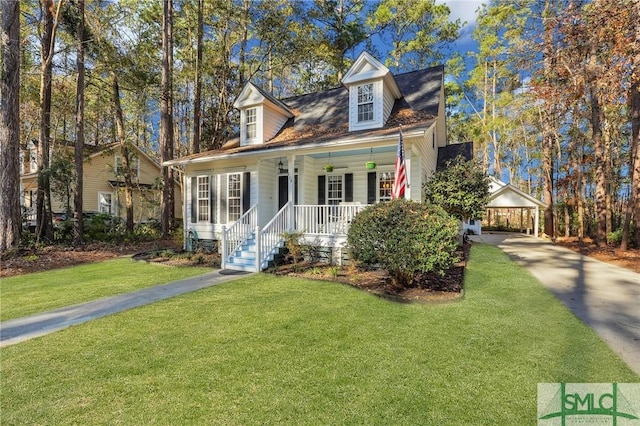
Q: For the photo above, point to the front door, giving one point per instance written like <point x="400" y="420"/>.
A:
<point x="283" y="190"/>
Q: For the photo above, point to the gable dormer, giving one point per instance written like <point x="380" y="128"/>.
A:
<point x="372" y="93"/>
<point x="261" y="115"/>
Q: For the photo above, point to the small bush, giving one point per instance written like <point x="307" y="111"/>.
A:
<point x="292" y="244"/>
<point x="404" y="237"/>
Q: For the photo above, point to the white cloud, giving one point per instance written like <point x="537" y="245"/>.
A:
<point x="465" y="10"/>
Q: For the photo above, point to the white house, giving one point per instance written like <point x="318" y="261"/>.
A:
<point x="300" y="163"/>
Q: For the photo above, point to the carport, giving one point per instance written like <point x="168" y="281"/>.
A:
<point x="507" y="197"/>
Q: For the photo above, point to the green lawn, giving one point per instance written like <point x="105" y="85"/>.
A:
<point x="32" y="293"/>
<point x="273" y="350"/>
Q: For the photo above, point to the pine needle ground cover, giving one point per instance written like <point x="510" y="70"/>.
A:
<point x="24" y="295"/>
<point x="280" y="350"/>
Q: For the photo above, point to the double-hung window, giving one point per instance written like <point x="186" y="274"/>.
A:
<point x="234" y="196"/>
<point x="134" y="164"/>
<point x="250" y="123"/>
<point x="105" y="202"/>
<point x="334" y="189"/>
<point x="203" y="198"/>
<point x="365" y="102"/>
<point x="385" y="186"/>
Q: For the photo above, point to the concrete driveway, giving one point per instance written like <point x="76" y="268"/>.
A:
<point x="603" y="296"/>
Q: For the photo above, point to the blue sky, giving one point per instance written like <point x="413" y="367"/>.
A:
<point x="465" y="10"/>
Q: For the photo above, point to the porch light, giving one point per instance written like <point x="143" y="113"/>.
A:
<point x="280" y="166"/>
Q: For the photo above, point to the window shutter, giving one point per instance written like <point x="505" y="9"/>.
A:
<point x="223" y="198"/>
<point x="246" y="192"/>
<point x="212" y="198"/>
<point x="348" y="187"/>
<point x="194" y="199"/>
<point x="322" y="182"/>
<point x="371" y="188"/>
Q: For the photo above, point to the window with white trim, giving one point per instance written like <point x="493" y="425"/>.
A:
<point x="250" y="123"/>
<point x="119" y="166"/>
<point x="203" y="198"/>
<point x="234" y="196"/>
<point x="385" y="186"/>
<point x="334" y="189"/>
<point x="365" y="102"/>
<point x="105" y="202"/>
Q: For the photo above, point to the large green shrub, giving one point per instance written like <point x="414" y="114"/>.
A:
<point x="461" y="189"/>
<point x="404" y="237"/>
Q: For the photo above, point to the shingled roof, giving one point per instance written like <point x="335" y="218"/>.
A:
<point x="324" y="116"/>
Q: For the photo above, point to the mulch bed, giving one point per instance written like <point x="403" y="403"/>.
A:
<point x="427" y="287"/>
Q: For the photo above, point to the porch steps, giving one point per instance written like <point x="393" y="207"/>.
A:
<point x="244" y="258"/>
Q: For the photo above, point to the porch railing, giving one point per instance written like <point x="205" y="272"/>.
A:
<point x="238" y="232"/>
<point x="271" y="234"/>
<point x="325" y="219"/>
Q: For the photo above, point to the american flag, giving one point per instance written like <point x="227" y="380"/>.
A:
<point x="400" y="175"/>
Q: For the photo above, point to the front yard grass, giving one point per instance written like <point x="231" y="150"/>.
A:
<point x="24" y="295"/>
<point x="279" y="350"/>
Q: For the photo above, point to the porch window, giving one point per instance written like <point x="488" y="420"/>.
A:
<point x="385" y="186"/>
<point x="203" y="198"/>
<point x="365" y="102"/>
<point x="234" y="196"/>
<point x="334" y="189"/>
<point x="105" y="202"/>
<point x="250" y="123"/>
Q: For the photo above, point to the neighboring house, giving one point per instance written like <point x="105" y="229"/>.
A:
<point x="103" y="184"/>
<point x="299" y="164"/>
<point x="505" y="199"/>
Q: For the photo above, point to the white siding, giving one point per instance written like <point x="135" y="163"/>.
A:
<point x="267" y="192"/>
<point x="388" y="102"/>
<point x="272" y="123"/>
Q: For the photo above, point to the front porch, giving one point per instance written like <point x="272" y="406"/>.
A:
<point x="247" y="246"/>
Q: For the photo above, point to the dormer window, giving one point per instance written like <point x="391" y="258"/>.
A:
<point x="250" y="123"/>
<point x="365" y="102"/>
<point x="261" y="115"/>
<point x="372" y="93"/>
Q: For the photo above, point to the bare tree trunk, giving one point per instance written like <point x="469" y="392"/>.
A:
<point x="166" y="117"/>
<point x="197" y="101"/>
<point x="243" y="42"/>
<point x="125" y="151"/>
<point x="10" y="220"/>
<point x="44" y="224"/>
<point x="78" y="228"/>
<point x="600" y="160"/>
<point x="633" y="206"/>
<point x="547" y="127"/>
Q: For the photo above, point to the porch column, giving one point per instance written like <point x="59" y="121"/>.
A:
<point x="536" y="220"/>
<point x="291" y="173"/>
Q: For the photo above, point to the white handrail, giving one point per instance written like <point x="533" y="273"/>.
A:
<point x="239" y="231"/>
<point x="271" y="234"/>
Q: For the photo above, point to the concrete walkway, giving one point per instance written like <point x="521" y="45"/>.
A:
<point x="603" y="296"/>
<point x="21" y="329"/>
